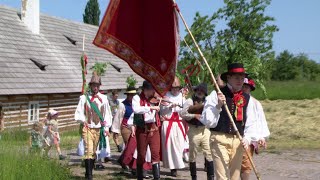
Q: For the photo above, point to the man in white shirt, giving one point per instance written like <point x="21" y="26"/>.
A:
<point x="226" y="147"/>
<point x="198" y="134"/>
<point x="146" y="122"/>
<point x="262" y="132"/>
<point x="93" y="112"/>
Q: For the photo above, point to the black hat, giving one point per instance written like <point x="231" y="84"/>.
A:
<point x="234" y="68"/>
<point x="202" y="87"/>
<point x="131" y="90"/>
<point x="146" y="85"/>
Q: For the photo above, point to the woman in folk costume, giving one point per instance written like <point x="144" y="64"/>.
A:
<point x="93" y="111"/>
<point x="122" y="115"/>
<point x="173" y="135"/>
<point x="262" y="132"/>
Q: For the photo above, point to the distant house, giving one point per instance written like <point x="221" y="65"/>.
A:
<point x="40" y="66"/>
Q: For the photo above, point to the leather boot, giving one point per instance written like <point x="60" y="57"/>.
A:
<point x="210" y="170"/>
<point x="139" y="172"/>
<point x="156" y="171"/>
<point x="174" y="173"/>
<point x="193" y="170"/>
<point x="88" y="163"/>
<point x="205" y="164"/>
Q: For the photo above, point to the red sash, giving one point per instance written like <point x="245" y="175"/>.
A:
<point x="174" y="118"/>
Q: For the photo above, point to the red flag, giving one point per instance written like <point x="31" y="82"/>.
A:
<point x="144" y="33"/>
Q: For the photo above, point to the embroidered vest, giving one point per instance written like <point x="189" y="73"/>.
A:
<point x="129" y="110"/>
<point x="224" y="124"/>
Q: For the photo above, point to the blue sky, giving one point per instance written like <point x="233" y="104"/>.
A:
<point x="298" y="20"/>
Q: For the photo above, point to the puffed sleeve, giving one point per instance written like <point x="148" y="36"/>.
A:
<point x="210" y="114"/>
<point x="251" y="127"/>
<point x="137" y="109"/>
<point x="184" y="112"/>
<point x="107" y="114"/>
<point x="79" y="115"/>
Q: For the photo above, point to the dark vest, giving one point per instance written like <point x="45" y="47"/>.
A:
<point x="138" y="119"/>
<point x="224" y="124"/>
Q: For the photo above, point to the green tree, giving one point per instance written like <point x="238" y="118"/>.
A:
<point x="290" y="67"/>
<point x="92" y="13"/>
<point x="247" y="37"/>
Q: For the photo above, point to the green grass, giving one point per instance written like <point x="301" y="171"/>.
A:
<point x="293" y="124"/>
<point x="18" y="163"/>
<point x="69" y="139"/>
<point x="290" y="90"/>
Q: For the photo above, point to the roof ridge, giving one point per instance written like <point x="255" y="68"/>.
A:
<point x="50" y="16"/>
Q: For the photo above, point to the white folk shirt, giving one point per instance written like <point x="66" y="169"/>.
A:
<point x="117" y="118"/>
<point x="210" y="116"/>
<point x="80" y="111"/>
<point x="167" y="111"/>
<point x="263" y="130"/>
<point x="149" y="115"/>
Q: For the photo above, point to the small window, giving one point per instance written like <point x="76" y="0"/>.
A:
<point x="33" y="113"/>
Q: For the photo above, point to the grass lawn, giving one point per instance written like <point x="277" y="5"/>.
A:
<point x="18" y="163"/>
<point x="293" y="124"/>
<point x="290" y="90"/>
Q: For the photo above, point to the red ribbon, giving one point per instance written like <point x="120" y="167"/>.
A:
<point x="95" y="96"/>
<point x="174" y="118"/>
<point x="239" y="101"/>
<point x="237" y="70"/>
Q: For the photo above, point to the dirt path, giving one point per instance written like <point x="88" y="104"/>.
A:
<point x="286" y="165"/>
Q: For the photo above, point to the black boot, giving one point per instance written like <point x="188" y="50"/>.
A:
<point x="210" y="170"/>
<point x="119" y="148"/>
<point x="88" y="163"/>
<point x="205" y="164"/>
<point x="193" y="170"/>
<point x="174" y="173"/>
<point x="139" y="172"/>
<point x="156" y="171"/>
<point x="145" y="174"/>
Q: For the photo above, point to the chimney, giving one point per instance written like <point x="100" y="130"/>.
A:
<point x="30" y="15"/>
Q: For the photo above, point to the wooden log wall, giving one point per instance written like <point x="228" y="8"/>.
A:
<point x="16" y="107"/>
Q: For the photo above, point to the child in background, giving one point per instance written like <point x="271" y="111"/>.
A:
<point x="36" y="138"/>
<point x="52" y="134"/>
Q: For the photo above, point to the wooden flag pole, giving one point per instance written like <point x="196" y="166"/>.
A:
<point x="217" y="89"/>
<point x="198" y="62"/>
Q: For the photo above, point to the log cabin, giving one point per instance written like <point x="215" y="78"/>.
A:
<point x="40" y="66"/>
